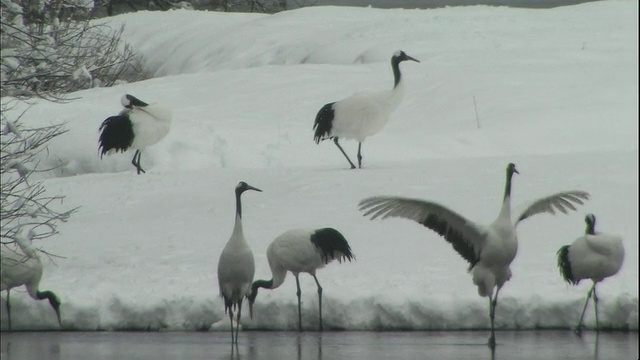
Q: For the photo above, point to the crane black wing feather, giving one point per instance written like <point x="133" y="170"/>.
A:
<point x="466" y="237"/>
<point x="116" y="133"/>
<point x="324" y="123"/>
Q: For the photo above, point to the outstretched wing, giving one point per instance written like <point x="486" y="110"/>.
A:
<point x="466" y="237"/>
<point x="563" y="202"/>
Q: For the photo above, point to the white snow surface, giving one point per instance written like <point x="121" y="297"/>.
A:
<point x="555" y="91"/>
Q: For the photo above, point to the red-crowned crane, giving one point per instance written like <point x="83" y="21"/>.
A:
<point x="137" y="126"/>
<point x="361" y="115"/>
<point x="22" y="266"/>
<point x="594" y="256"/>
<point x="302" y="251"/>
<point x="489" y="250"/>
<point x="236" y="266"/>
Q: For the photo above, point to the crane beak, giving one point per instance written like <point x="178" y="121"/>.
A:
<point x="412" y="59"/>
<point x="252" y="298"/>
<point x="249" y="187"/>
<point x="59" y="318"/>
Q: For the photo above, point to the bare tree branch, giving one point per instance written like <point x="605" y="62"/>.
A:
<point x="25" y="203"/>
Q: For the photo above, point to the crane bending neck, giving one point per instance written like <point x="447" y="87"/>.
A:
<point x="41" y="295"/>
<point x="267" y="284"/>
<point x="277" y="279"/>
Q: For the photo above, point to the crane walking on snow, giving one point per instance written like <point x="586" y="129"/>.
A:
<point x="137" y="126"/>
<point x="489" y="250"/>
<point x="22" y="266"/>
<point x="302" y="250"/>
<point x="236" y="266"/>
<point x="361" y="115"/>
<point x="594" y="256"/>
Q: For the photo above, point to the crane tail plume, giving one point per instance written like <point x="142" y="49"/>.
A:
<point x="332" y="245"/>
<point x="116" y="134"/>
<point x="564" y="265"/>
<point x="323" y="123"/>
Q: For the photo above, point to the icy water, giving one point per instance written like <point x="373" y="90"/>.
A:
<point x="252" y="345"/>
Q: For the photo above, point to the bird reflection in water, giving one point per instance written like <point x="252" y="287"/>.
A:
<point x="308" y="351"/>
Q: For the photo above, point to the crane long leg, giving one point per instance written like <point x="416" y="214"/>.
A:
<point x="8" y="310"/>
<point x="299" y="293"/>
<point x="319" y="299"/>
<point x="139" y="165"/>
<point x="136" y="161"/>
<point x="495" y="301"/>
<point x="492" y="315"/>
<point x="492" y="337"/>
<point x="359" y="155"/>
<point x="238" y="322"/>
<point x="335" y="141"/>
<point x="231" y="322"/>
<point x="578" y="329"/>
<point x="595" y="305"/>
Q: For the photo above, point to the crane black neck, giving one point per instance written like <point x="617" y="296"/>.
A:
<point x="267" y="284"/>
<point x="49" y="295"/>
<point x="507" y="186"/>
<point x="397" y="76"/>
<point x="239" y="203"/>
<point x="591" y="228"/>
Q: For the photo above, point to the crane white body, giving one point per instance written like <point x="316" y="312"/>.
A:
<point x="488" y="249"/>
<point x="236" y="265"/>
<point x="19" y="269"/>
<point x="137" y="126"/>
<point x="302" y="251"/>
<point x="595" y="256"/>
<point x="361" y="115"/>
<point x="498" y="251"/>
<point x="150" y="124"/>
<point x="364" y="114"/>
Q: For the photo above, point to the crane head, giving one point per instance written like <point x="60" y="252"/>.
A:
<point x="401" y="56"/>
<point x="590" y="219"/>
<point x="243" y="186"/>
<point x="129" y="101"/>
<point x="252" y="298"/>
<point x="53" y="300"/>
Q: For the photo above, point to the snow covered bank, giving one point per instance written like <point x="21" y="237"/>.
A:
<point x="556" y="93"/>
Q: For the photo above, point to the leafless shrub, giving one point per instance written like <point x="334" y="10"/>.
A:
<point x="24" y="203"/>
<point x="51" y="59"/>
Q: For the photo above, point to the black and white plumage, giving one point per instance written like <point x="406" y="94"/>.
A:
<point x="236" y="266"/>
<point x="594" y="256"/>
<point x="137" y="126"/>
<point x="489" y="250"/>
<point x="302" y="251"/>
<point x="361" y="115"/>
<point x="22" y="266"/>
